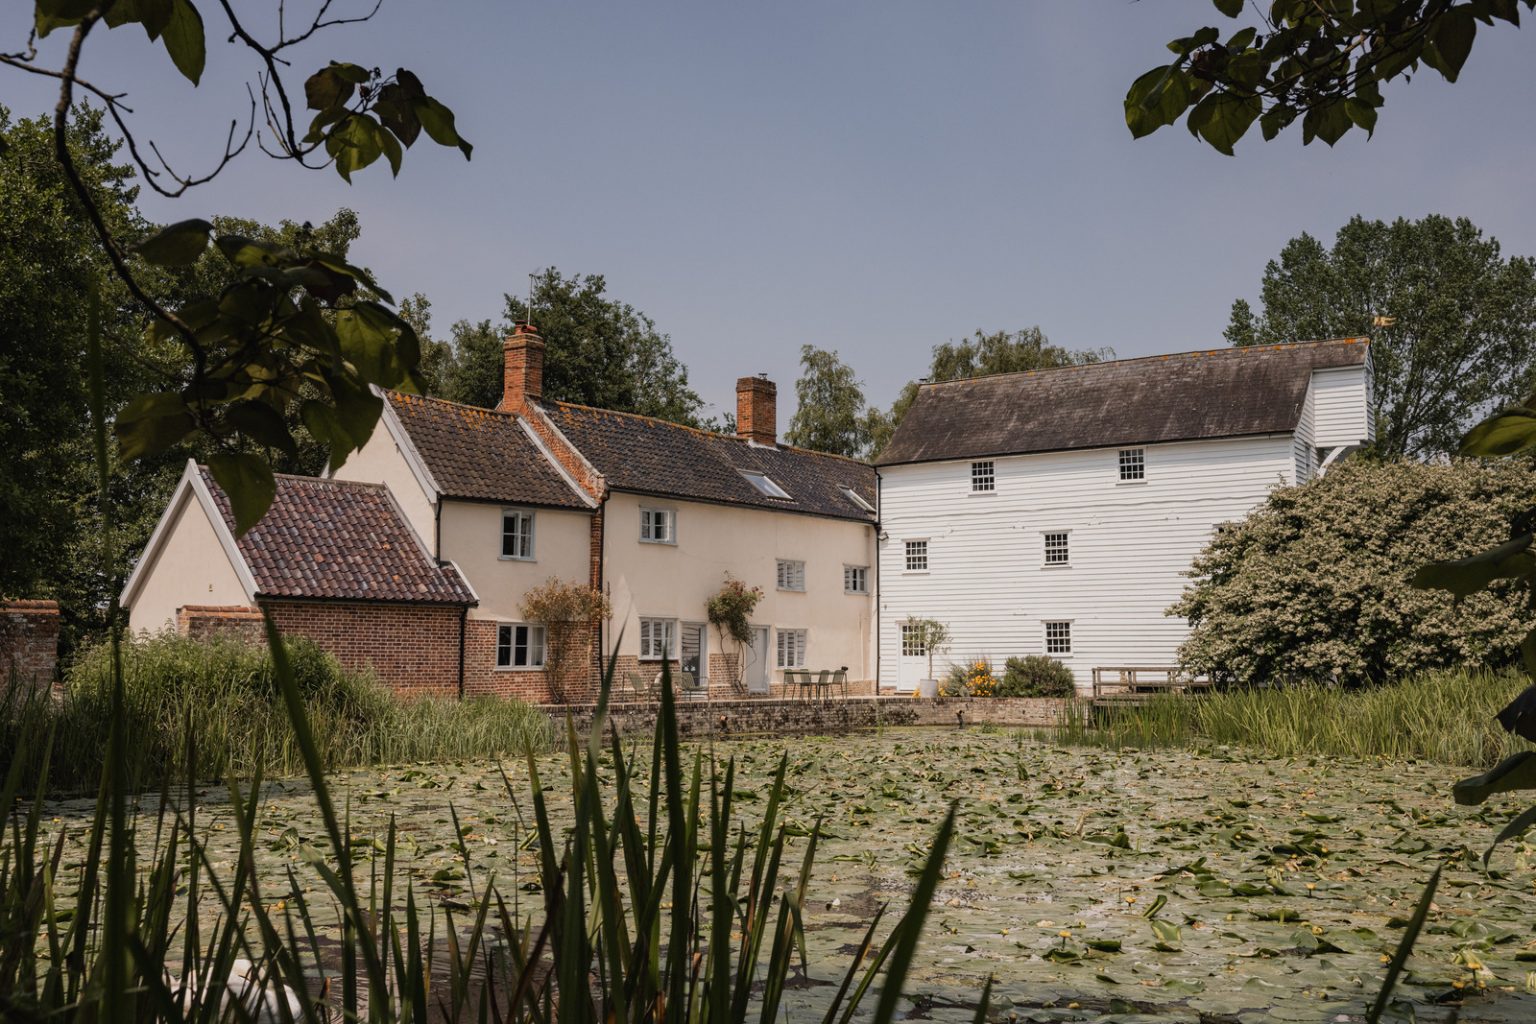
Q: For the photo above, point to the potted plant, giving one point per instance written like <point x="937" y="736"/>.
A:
<point x="932" y="637"/>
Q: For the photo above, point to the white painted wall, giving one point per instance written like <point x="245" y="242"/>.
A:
<point x="675" y="581"/>
<point x="1130" y="545"/>
<point x="1342" y="400"/>
<point x="471" y="537"/>
<point x="1304" y="441"/>
<point x="189" y="567"/>
<point x="381" y="461"/>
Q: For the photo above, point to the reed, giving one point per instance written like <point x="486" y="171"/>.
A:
<point x="1446" y="717"/>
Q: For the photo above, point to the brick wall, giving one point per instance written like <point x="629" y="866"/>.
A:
<point x="201" y="621"/>
<point x="722" y="718"/>
<point x="414" y="649"/>
<point x="482" y="677"/>
<point x="29" y="642"/>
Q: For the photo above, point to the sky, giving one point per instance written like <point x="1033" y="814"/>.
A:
<point x="870" y="176"/>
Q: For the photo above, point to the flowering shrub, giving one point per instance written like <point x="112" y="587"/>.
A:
<point x="569" y="611"/>
<point x="1314" y="585"/>
<point x="974" y="679"/>
<point x="730" y="612"/>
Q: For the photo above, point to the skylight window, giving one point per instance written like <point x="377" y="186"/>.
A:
<point x="764" y="483"/>
<point x="857" y="498"/>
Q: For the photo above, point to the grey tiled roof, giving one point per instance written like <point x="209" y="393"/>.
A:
<point x="651" y="456"/>
<point x="339" y="540"/>
<point x="481" y="454"/>
<point x="1231" y="392"/>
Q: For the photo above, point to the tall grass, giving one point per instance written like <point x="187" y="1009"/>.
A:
<point x="1447" y="717"/>
<point x="224" y="692"/>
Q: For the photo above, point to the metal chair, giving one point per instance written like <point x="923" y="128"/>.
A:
<point x="638" y="688"/>
<point x="839" y="680"/>
<point x="823" y="684"/>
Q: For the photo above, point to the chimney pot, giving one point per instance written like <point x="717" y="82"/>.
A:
<point x="757" y="410"/>
<point x="522" y="368"/>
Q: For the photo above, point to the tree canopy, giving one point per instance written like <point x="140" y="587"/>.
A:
<point x="599" y="351"/>
<point x="830" y="414"/>
<point x="1324" y="63"/>
<point x="982" y="353"/>
<point x="1452" y="321"/>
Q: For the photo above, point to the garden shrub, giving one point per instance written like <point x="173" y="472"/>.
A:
<point x="1314" y="585"/>
<point x="1036" y="676"/>
<point x="974" y="679"/>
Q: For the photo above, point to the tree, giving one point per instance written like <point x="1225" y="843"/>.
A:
<point x="1322" y="62"/>
<point x="600" y="352"/>
<point x="830" y="415"/>
<point x="1452" y="322"/>
<point x="472" y="372"/>
<point x="1315" y="585"/>
<point x="979" y="355"/>
<point x="298" y="333"/>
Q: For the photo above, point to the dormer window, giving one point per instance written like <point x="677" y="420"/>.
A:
<point x="857" y="498"/>
<point x="764" y="483"/>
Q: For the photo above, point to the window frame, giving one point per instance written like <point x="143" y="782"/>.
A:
<point x="528" y="515"/>
<point x="796" y="574"/>
<point x="1046" y="550"/>
<point x="801" y="644"/>
<point x="911" y="648"/>
<point x="669" y="516"/>
<point x="863" y="580"/>
<point x="1047" y="639"/>
<point x="1133" y="460"/>
<point x="529" y="644"/>
<point x="907" y="555"/>
<point x="647" y="632"/>
<point x="984" y="472"/>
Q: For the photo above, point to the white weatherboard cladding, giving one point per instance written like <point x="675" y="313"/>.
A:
<point x="1305" y="439"/>
<point x="1131" y="544"/>
<point x="1341" y="399"/>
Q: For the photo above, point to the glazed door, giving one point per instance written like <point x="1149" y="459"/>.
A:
<point x="756" y="671"/>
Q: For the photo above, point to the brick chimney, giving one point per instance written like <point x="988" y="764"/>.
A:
<point x="522" y="368"/>
<point x="757" y="410"/>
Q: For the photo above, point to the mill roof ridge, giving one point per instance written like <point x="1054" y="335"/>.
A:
<point x="1161" y="357"/>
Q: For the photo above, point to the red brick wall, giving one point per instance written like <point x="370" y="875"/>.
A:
<point x="482" y="677"/>
<point x="414" y="649"/>
<point x="201" y="621"/>
<point x="29" y="642"/>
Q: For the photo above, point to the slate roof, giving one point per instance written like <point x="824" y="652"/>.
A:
<point x="651" y="456"/>
<point x="1231" y="392"/>
<point x="480" y="454"/>
<point x="339" y="540"/>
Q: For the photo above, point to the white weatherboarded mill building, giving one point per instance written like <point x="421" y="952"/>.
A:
<point x="1057" y="511"/>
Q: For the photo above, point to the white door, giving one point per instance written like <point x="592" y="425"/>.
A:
<point x="910" y="667"/>
<point x="694" y="655"/>
<point x="756" y="656"/>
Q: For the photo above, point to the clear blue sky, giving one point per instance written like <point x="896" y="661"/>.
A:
<point x="873" y="176"/>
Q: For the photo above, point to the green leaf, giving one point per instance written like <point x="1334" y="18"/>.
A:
<point x="1517" y="772"/>
<point x="1519" y="825"/>
<point x="327" y="89"/>
<point x="151" y="423"/>
<point x="262" y="424"/>
<point x="1519" y="715"/>
<point x="1505" y="434"/>
<point x="394" y="110"/>
<point x="1510" y="560"/>
<point x="354" y="144"/>
<point x="176" y="245"/>
<point x="248" y="483"/>
<point x="1453" y="36"/>
<point x="325" y="426"/>
<point x="52" y="14"/>
<point x="391" y="147"/>
<point x="1361" y="113"/>
<point x="1328" y="122"/>
<point x="184" y="40"/>
<point x="438" y="122"/>
<point x="1156" y="99"/>
<point x="1223" y="117"/>
<point x="1231" y="8"/>
<point x="249" y="252"/>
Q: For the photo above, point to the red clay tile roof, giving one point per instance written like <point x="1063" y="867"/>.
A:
<point x="339" y="540"/>
<point x="480" y="454"/>
<point x="651" y="456"/>
<point x="1232" y="392"/>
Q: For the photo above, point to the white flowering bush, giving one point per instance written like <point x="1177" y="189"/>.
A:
<point x="1314" y="585"/>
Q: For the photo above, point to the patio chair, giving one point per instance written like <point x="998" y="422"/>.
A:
<point x="637" y="687"/>
<point x="823" y="684"/>
<point x="688" y="687"/>
<point x="792" y="680"/>
<point x="840" y="681"/>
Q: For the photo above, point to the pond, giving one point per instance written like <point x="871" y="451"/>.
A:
<point x="1094" y="885"/>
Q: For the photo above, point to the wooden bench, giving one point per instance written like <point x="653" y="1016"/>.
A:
<point x="1127" y="684"/>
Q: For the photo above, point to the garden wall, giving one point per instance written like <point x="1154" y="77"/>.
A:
<point x="800" y="717"/>
<point x="29" y="642"/>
